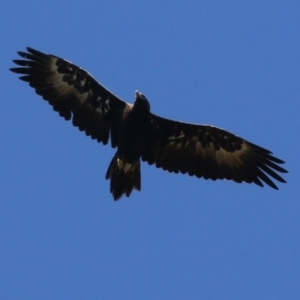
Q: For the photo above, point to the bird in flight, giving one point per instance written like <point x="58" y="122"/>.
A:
<point x="197" y="150"/>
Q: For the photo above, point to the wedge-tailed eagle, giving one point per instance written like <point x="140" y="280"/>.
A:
<point x="198" y="150"/>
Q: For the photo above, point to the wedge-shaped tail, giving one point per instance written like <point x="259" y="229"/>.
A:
<point x="124" y="176"/>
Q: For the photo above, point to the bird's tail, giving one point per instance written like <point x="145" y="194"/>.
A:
<point x="124" y="176"/>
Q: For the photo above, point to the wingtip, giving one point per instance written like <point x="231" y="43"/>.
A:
<point x="31" y="50"/>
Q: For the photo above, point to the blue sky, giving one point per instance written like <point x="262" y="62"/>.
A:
<point x="232" y="64"/>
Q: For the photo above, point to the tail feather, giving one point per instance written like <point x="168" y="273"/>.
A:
<point x="124" y="177"/>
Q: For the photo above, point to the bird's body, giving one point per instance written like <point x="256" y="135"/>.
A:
<point x="199" y="150"/>
<point x="124" y="169"/>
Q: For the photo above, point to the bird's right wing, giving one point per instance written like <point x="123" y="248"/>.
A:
<point x="72" y="92"/>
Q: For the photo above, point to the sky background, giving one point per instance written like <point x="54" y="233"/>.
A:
<point x="233" y="64"/>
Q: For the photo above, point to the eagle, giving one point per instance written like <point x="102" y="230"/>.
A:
<point x="203" y="151"/>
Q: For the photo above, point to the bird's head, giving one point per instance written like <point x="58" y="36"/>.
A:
<point x="141" y="102"/>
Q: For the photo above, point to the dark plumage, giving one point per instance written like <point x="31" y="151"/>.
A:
<point x="198" y="150"/>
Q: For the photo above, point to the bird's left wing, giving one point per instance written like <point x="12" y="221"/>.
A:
<point x="72" y="92"/>
<point x="208" y="152"/>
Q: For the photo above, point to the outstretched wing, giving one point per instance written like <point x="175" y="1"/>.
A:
<point x="72" y="92"/>
<point x="209" y="152"/>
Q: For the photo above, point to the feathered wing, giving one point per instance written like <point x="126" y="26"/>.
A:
<point x="72" y="92"/>
<point x="209" y="152"/>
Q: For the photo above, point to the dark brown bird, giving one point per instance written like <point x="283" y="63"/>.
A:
<point x="198" y="150"/>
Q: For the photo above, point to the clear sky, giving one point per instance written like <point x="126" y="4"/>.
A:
<point x="233" y="64"/>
